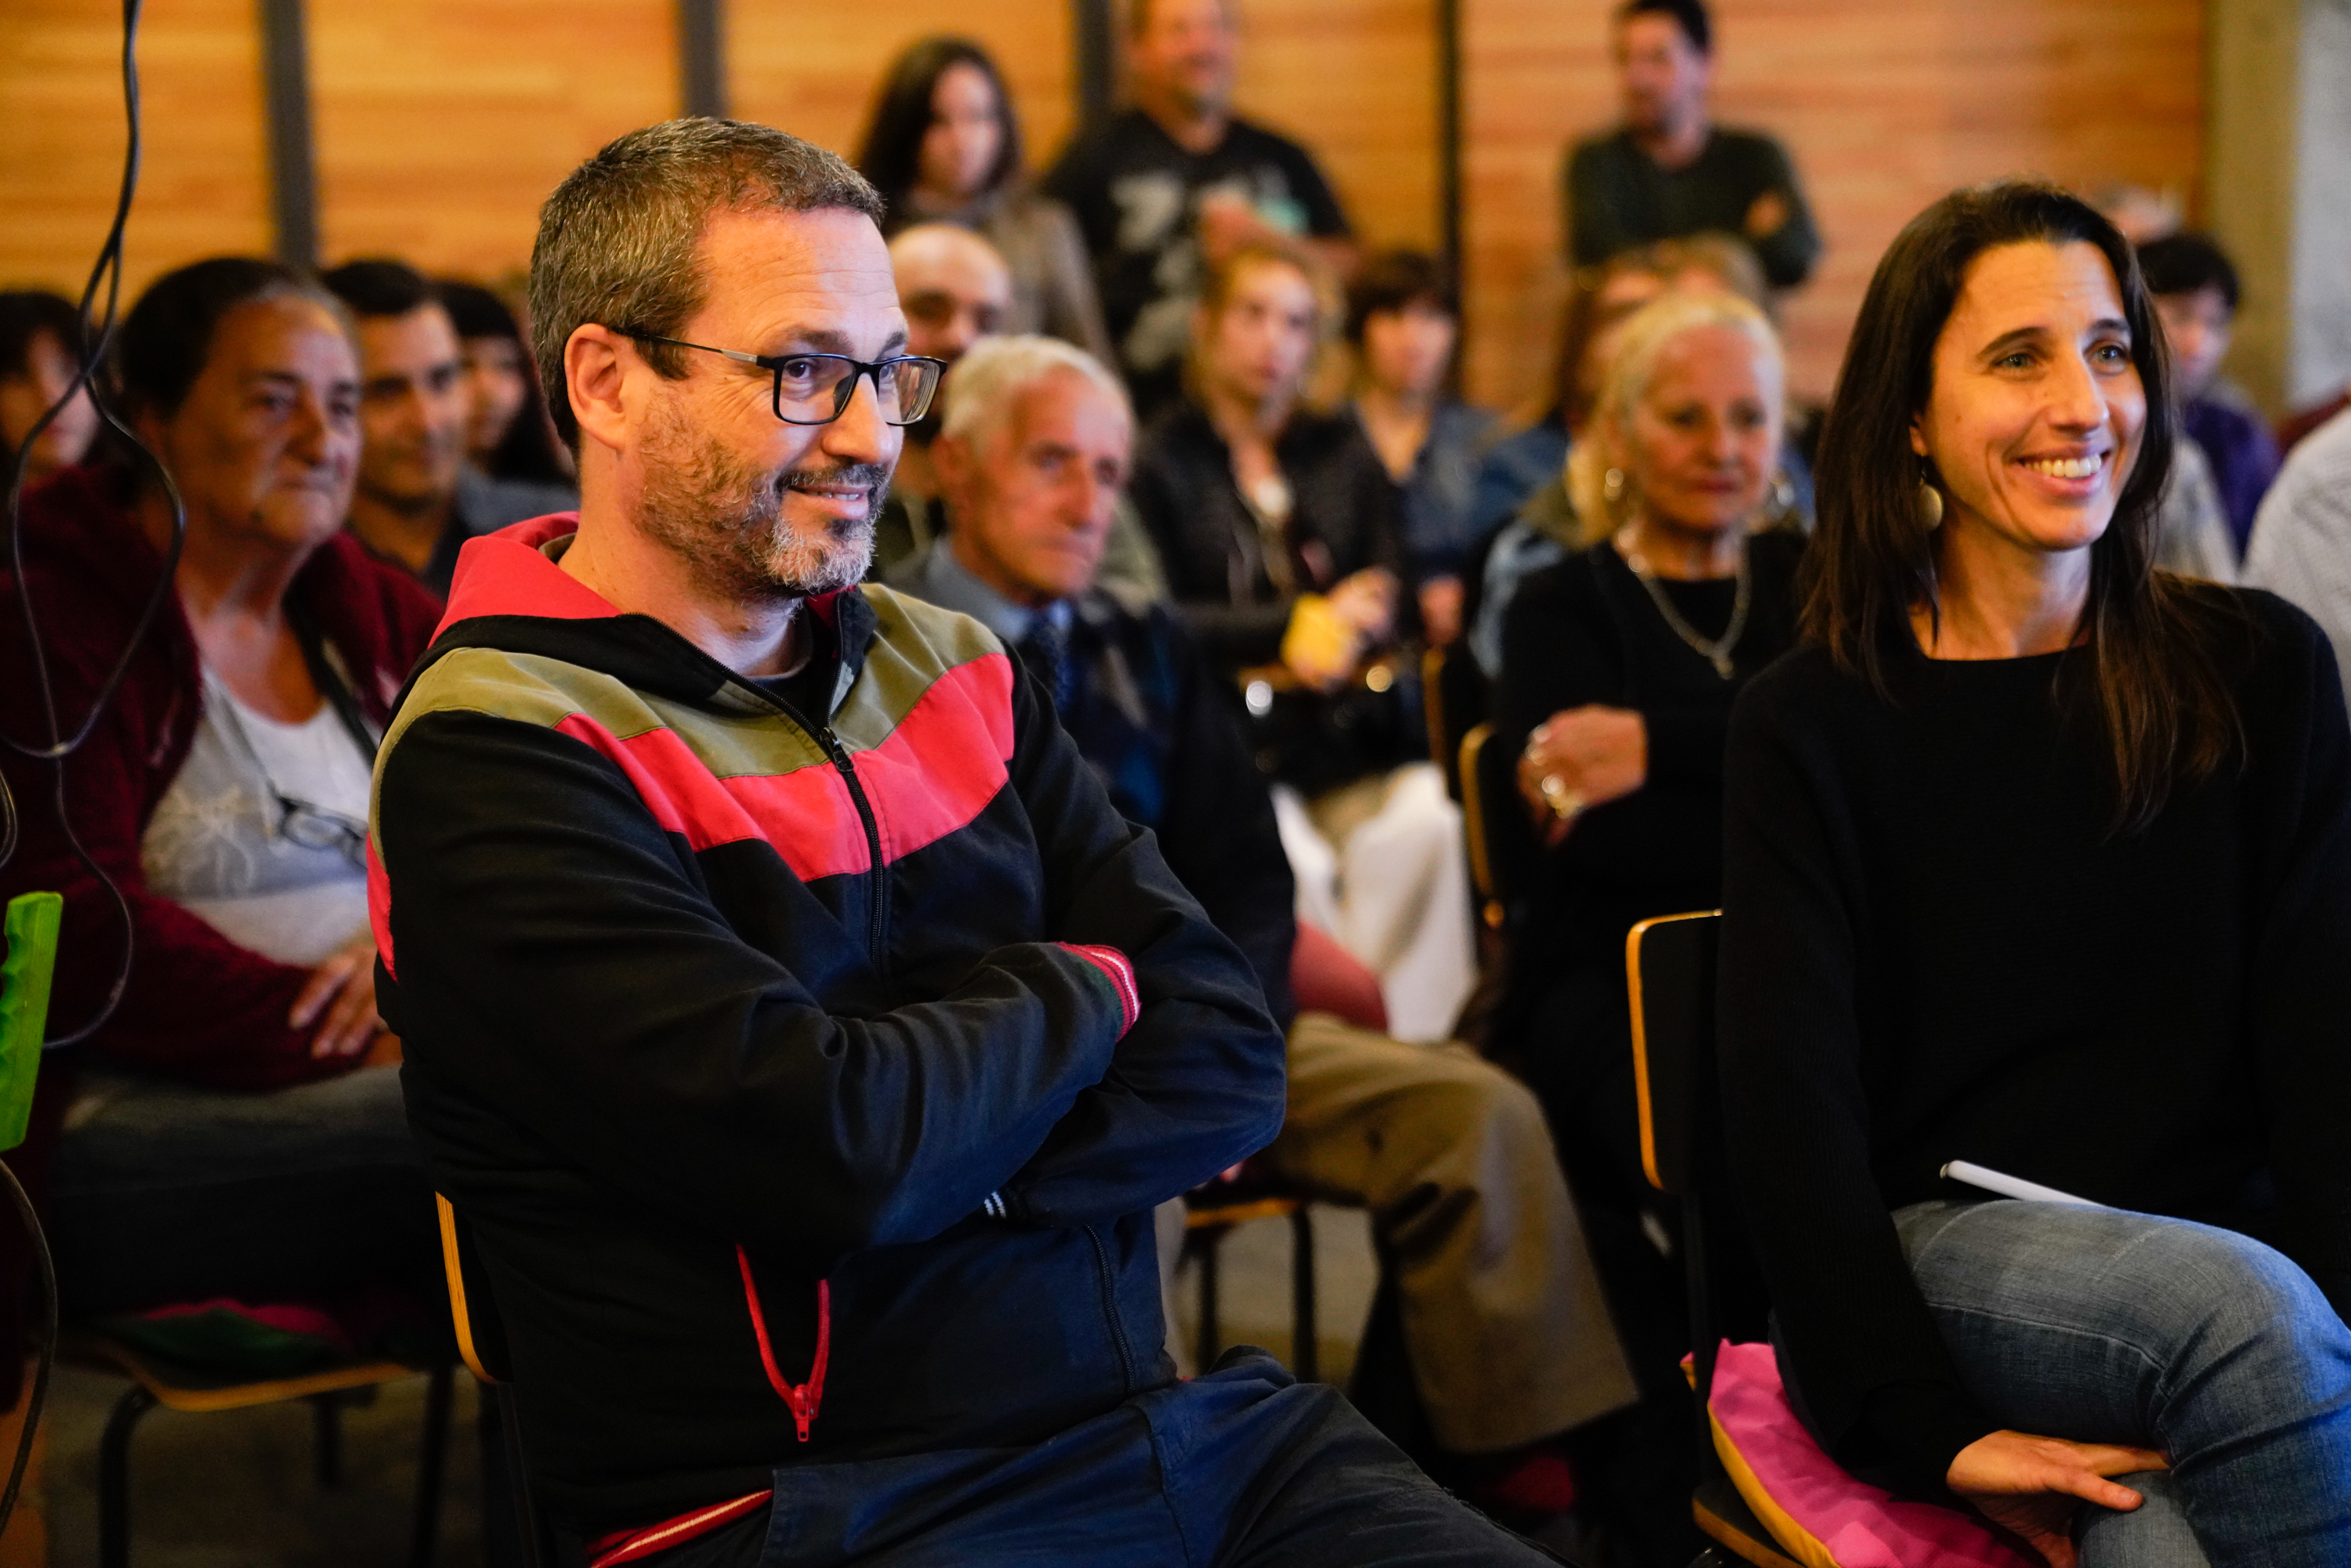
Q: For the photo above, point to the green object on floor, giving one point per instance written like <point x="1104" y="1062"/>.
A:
<point x="32" y="933"/>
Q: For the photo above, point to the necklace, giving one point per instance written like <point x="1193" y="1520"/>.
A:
<point x="1717" y="651"/>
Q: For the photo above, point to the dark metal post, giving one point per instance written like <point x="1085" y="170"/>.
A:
<point x="1449" y="130"/>
<point x="114" y="1477"/>
<point x="701" y="56"/>
<point x="1094" y="37"/>
<point x="293" y="171"/>
<point x="1305" y="1350"/>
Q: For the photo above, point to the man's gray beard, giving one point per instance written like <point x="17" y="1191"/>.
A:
<point x="726" y="520"/>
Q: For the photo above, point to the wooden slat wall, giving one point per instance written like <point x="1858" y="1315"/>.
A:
<point x="1884" y="106"/>
<point x="203" y="189"/>
<point x="441" y="124"/>
<point x="1356" y="82"/>
<point x="815" y="71"/>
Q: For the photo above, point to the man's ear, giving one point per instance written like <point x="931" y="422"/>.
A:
<point x="596" y="365"/>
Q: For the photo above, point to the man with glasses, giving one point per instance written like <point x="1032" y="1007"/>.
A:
<point x="803" y="1036"/>
<point x="417" y="500"/>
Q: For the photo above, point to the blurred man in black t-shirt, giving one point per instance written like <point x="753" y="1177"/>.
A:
<point x="1669" y="171"/>
<point x="1177" y="181"/>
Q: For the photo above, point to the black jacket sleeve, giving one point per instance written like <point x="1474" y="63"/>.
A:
<point x="1863" y="1346"/>
<point x="1198" y="1083"/>
<point x="565" y="963"/>
<point x="1186" y="519"/>
<point x="1788" y="251"/>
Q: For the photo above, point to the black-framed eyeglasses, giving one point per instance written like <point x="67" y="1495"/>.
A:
<point x="317" y="827"/>
<point x="813" y="389"/>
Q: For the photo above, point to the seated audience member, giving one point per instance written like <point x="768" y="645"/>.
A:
<point x="944" y="146"/>
<point x="1669" y="171"/>
<point x="2191" y="527"/>
<point x="508" y="436"/>
<point x="1277" y="531"/>
<point x="2302" y="543"/>
<point x="233" y="1127"/>
<point x="1169" y="189"/>
<point x="40" y="342"/>
<point x="803" y="1035"/>
<point x="1619" y="666"/>
<point x="1527" y="473"/>
<point x="955" y="290"/>
<point x="418" y="500"/>
<point x="2041" y="859"/>
<point x="1404" y="320"/>
<point x="2196" y="293"/>
<point x="1503" y="1321"/>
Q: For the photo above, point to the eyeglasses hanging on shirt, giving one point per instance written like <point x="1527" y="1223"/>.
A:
<point x="306" y="824"/>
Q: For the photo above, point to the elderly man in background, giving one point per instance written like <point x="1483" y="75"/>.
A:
<point x="1669" y="171"/>
<point x="957" y="289"/>
<point x="802" y="1033"/>
<point x="1503" y="1321"/>
<point x="418" y="500"/>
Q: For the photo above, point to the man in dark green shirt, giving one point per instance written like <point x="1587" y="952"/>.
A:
<point x="1668" y="170"/>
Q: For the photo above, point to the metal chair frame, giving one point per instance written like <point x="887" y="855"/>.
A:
<point x="1205" y="1229"/>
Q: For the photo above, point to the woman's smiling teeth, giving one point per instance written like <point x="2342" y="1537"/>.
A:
<point x="2068" y="467"/>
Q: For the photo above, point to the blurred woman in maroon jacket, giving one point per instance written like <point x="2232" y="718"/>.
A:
<point x="233" y="1127"/>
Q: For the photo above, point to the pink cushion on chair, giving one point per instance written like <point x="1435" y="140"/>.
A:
<point x="1819" y="1515"/>
<point x="1328" y="978"/>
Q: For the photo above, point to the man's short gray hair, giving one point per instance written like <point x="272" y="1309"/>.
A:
<point x="617" y="240"/>
<point x="988" y="382"/>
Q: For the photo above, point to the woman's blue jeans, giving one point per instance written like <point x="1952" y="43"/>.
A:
<point x="2099" y="1325"/>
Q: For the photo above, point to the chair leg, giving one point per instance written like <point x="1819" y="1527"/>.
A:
<point x="1211" y="1341"/>
<point x="114" y="1477"/>
<point x="1304" y="1351"/>
<point x="534" y="1547"/>
<point x="424" y="1535"/>
<point x="327" y="1440"/>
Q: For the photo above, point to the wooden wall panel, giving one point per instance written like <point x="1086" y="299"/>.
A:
<point x="816" y="70"/>
<point x="203" y="188"/>
<point x="442" y="124"/>
<point x="1356" y="82"/>
<point x="1885" y="107"/>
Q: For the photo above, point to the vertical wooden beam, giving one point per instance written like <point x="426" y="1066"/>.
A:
<point x="1093" y="35"/>
<point x="701" y="56"/>
<point x="293" y="168"/>
<point x="1448" y="133"/>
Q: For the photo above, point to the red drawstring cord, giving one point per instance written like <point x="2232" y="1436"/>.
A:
<point x="805" y="1398"/>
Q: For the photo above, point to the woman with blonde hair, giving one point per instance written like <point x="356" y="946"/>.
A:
<point x="1619" y="666"/>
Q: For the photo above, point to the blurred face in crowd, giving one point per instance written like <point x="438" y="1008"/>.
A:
<point x="266" y="443"/>
<point x="1034" y="501"/>
<point x="954" y="287"/>
<point x="416" y="408"/>
<point x="1702" y="438"/>
<point x="1620" y="299"/>
<point x="24" y="397"/>
<point x="1406" y="351"/>
<point x="761" y="510"/>
<point x="967" y="133"/>
<point x="2198" y="327"/>
<point x="496" y="384"/>
<point x="2035" y="414"/>
<point x="1663" y="75"/>
<point x="1260" y="342"/>
<point x="1183" y="53"/>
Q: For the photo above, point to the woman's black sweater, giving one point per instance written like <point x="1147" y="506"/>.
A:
<point x="1585" y="631"/>
<point x="1935" y="948"/>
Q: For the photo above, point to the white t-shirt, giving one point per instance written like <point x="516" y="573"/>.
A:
<point x="262" y="832"/>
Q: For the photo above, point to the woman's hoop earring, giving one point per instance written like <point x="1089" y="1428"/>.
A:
<point x="1784" y="492"/>
<point x="1930" y="507"/>
<point x="1611" y="485"/>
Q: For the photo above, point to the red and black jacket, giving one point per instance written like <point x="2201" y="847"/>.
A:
<point x="681" y="970"/>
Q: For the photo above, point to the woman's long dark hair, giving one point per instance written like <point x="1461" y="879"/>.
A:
<point x="529" y="449"/>
<point x="892" y="155"/>
<point x="2168" y="714"/>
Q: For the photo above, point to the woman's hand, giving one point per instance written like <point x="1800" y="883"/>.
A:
<point x="343" y="988"/>
<point x="1583" y="758"/>
<point x="1367" y="600"/>
<point x="2033" y="1486"/>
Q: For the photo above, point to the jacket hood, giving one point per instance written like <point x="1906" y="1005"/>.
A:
<point x="510" y="592"/>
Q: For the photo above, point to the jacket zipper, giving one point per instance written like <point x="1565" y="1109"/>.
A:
<point x="877" y="881"/>
<point x="1102" y="1277"/>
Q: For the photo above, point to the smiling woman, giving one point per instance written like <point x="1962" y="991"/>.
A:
<point x="2040" y="858"/>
